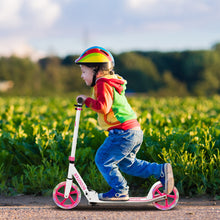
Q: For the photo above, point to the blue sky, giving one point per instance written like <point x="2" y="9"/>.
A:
<point x="62" y="27"/>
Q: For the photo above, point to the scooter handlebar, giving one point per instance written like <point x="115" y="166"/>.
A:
<point x="80" y="100"/>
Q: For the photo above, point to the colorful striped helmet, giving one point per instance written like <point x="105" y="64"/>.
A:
<point x="97" y="56"/>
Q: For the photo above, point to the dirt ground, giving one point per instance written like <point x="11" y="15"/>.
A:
<point x="37" y="207"/>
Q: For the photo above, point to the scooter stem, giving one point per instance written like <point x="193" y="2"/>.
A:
<point x="73" y="150"/>
<point x="76" y="128"/>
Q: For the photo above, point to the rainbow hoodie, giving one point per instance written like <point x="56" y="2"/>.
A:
<point x="114" y="111"/>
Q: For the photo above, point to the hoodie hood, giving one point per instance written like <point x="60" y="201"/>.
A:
<point x="115" y="81"/>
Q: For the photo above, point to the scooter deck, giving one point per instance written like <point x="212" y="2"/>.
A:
<point x="131" y="200"/>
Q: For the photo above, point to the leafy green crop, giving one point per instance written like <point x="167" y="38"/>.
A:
<point x="36" y="136"/>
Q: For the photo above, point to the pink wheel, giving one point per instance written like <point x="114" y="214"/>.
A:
<point x="66" y="203"/>
<point x="169" y="202"/>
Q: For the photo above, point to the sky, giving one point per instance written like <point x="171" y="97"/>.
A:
<point x="38" y="28"/>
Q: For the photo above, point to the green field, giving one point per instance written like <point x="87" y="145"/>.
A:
<point x="36" y="135"/>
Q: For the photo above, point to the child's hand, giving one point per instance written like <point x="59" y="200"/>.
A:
<point x="82" y="97"/>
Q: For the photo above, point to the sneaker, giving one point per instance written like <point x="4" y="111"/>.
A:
<point x="113" y="195"/>
<point x="166" y="178"/>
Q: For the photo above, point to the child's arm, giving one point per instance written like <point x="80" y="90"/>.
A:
<point x="103" y="103"/>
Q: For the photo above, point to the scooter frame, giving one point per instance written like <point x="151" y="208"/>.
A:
<point x="153" y="196"/>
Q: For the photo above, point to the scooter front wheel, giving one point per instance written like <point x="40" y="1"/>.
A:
<point x="66" y="203"/>
<point x="168" y="203"/>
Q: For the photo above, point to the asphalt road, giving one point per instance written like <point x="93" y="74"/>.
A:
<point x="31" y="207"/>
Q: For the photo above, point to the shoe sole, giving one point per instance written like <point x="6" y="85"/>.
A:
<point x="113" y="199"/>
<point x="169" y="180"/>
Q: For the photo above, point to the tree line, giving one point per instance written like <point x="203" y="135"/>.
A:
<point x="154" y="73"/>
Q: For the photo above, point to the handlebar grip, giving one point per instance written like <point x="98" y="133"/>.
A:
<point x="80" y="100"/>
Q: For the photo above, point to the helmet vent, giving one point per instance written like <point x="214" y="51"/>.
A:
<point x="105" y="52"/>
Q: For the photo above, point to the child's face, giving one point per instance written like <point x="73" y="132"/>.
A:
<point x="87" y="74"/>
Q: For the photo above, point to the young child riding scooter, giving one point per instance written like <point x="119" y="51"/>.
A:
<point x="118" y="152"/>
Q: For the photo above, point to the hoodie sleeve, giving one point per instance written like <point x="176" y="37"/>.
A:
<point x="104" y="98"/>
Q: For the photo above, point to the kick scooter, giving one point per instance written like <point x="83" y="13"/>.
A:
<point x="67" y="195"/>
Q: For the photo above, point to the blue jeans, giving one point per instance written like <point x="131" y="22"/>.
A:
<point x="119" y="152"/>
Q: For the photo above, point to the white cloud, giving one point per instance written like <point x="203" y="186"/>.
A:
<point x="9" y="13"/>
<point x="22" y="20"/>
<point x="19" y="47"/>
<point x="28" y="12"/>
<point x="140" y="4"/>
<point x="44" y="12"/>
<point x="30" y="25"/>
<point x="172" y="15"/>
<point x="167" y="6"/>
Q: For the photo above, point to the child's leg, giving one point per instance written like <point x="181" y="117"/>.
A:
<point x="135" y="167"/>
<point x="119" y="150"/>
<point x="117" y="146"/>
<point x="107" y="157"/>
<point x="141" y="168"/>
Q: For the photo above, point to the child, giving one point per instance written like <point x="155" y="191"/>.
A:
<point x="125" y="135"/>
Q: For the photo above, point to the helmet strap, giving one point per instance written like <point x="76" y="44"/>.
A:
<point x="96" y="70"/>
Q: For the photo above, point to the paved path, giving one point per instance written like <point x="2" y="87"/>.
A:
<point x="30" y="207"/>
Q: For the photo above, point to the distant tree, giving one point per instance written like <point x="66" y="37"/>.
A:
<point x="24" y="73"/>
<point x="157" y="73"/>
<point x="140" y="72"/>
<point x="193" y="64"/>
<point x="52" y="74"/>
<point x="168" y="61"/>
<point x="209" y="81"/>
<point x="69" y="60"/>
<point x="72" y="80"/>
<point x="216" y="47"/>
<point x="171" y="86"/>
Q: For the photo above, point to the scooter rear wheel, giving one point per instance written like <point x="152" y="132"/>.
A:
<point x="171" y="200"/>
<point x="66" y="203"/>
